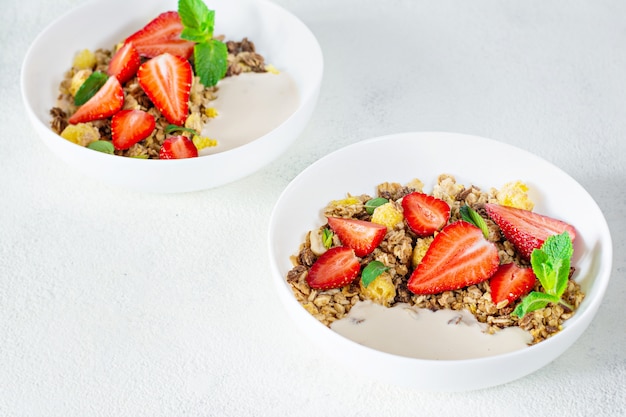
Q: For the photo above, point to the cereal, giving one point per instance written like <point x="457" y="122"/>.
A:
<point x="402" y="250"/>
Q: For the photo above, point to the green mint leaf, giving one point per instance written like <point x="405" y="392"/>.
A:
<point x="371" y="205"/>
<point x="327" y="238"/>
<point x="194" y="35"/>
<point x="534" y="301"/>
<point x="551" y="263"/>
<point x="194" y="14"/>
<point x="211" y="61"/>
<point x="103" y="146"/>
<point x="372" y="271"/>
<point x="174" y="128"/>
<point x="471" y="216"/>
<point x="90" y="87"/>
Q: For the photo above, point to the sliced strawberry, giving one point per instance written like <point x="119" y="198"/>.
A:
<point x="510" y="282"/>
<point x="166" y="81"/>
<point x="525" y="229"/>
<point x="458" y="256"/>
<point x="360" y="235"/>
<point x="425" y="214"/>
<point x="130" y="126"/>
<point x="178" y="147"/>
<point x="335" y="268"/>
<point x="125" y="63"/>
<point x="162" y="35"/>
<point x="106" y="102"/>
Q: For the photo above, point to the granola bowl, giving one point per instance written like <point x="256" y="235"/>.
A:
<point x="354" y="171"/>
<point x="288" y="47"/>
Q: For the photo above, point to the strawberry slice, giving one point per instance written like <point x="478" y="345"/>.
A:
<point x="360" y="235"/>
<point x="166" y="80"/>
<point x="335" y="268"/>
<point x="130" y="126"/>
<point x="525" y="229"/>
<point x="178" y="147"/>
<point x="106" y="102"/>
<point x="424" y="213"/>
<point x="510" y="282"/>
<point x="125" y="63"/>
<point x="458" y="256"/>
<point x="160" y="35"/>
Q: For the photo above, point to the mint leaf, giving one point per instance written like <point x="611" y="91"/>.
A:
<point x="90" y="87"/>
<point x="211" y="61"/>
<point x="372" y="271"/>
<point x="471" y="216"/>
<point x="194" y="14"/>
<point x="174" y="128"/>
<point x="103" y="146"/>
<point x="194" y="35"/>
<point x="551" y="263"/>
<point x="327" y="238"/>
<point x="534" y="301"/>
<point x="371" y="205"/>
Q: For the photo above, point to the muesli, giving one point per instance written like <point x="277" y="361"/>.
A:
<point x="150" y="95"/>
<point x="457" y="247"/>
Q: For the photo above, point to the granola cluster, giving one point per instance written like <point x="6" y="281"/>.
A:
<point x="401" y="251"/>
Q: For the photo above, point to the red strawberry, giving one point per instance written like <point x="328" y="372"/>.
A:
<point x="360" y="235"/>
<point x="161" y="35"/>
<point x="525" y="229"/>
<point x="458" y="256"/>
<point x="178" y="147"/>
<point x="166" y="81"/>
<point x="425" y="214"/>
<point x="130" y="126"/>
<point x="335" y="268"/>
<point x="125" y="63"/>
<point x="510" y="282"/>
<point x="106" y="102"/>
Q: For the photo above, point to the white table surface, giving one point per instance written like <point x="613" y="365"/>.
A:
<point x="114" y="303"/>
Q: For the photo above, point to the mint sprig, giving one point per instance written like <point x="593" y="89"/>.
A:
<point x="372" y="271"/>
<point x="210" y="55"/>
<point x="551" y="265"/>
<point x="471" y="216"/>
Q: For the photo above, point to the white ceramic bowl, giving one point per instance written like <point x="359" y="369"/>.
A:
<point x="356" y="169"/>
<point x="278" y="35"/>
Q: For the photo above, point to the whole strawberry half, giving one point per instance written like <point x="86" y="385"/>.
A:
<point x="510" y="282"/>
<point x="424" y="213"/>
<point x="166" y="80"/>
<point x="458" y="256"/>
<point x="525" y="229"/>
<point x="125" y="63"/>
<point x="335" y="268"/>
<point x="161" y="35"/>
<point x="178" y="147"/>
<point x="130" y="126"/>
<point x="360" y="235"/>
<point x="106" y="102"/>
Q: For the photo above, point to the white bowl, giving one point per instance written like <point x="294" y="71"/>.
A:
<point x="472" y="160"/>
<point x="279" y="36"/>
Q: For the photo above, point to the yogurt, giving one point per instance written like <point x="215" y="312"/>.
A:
<point x="250" y="105"/>
<point x="421" y="333"/>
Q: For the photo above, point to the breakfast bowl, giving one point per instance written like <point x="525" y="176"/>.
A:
<point x="288" y="47"/>
<point x="480" y="163"/>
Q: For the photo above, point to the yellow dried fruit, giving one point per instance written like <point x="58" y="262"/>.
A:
<point x="388" y="214"/>
<point x="381" y="290"/>
<point x="211" y="112"/>
<point x="202" y="142"/>
<point x="515" y="194"/>
<point x="421" y="246"/>
<point x="272" y="69"/>
<point x="81" y="134"/>
<point x="84" y="59"/>
<point x="348" y="201"/>
<point x="78" y="79"/>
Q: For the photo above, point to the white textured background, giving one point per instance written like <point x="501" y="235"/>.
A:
<point x="122" y="304"/>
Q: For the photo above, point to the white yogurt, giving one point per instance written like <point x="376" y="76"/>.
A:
<point x="421" y="333"/>
<point x="249" y="105"/>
